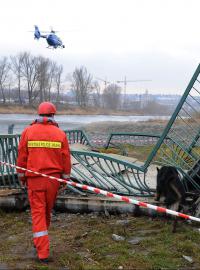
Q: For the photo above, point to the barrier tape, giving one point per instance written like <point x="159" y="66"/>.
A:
<point x="109" y="194"/>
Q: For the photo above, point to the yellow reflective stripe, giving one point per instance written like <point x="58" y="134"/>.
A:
<point x="44" y="144"/>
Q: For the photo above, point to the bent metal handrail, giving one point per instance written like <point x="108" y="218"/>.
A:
<point x="101" y="170"/>
<point x="126" y="137"/>
<point x="111" y="173"/>
<point x="142" y="139"/>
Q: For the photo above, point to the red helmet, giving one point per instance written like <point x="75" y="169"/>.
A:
<point x="46" y="108"/>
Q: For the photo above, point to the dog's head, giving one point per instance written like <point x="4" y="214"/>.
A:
<point x="164" y="175"/>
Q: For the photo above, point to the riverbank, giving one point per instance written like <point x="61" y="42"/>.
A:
<point x="98" y="132"/>
<point x="64" y="110"/>
<point x="74" y="110"/>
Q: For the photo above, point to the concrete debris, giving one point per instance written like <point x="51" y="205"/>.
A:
<point x="188" y="258"/>
<point x="122" y="222"/>
<point x="135" y="240"/>
<point x="116" y="237"/>
<point x="84" y="234"/>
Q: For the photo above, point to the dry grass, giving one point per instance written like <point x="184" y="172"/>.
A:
<point x="139" y="152"/>
<point x="62" y="110"/>
<point x="85" y="242"/>
<point x="16" y="109"/>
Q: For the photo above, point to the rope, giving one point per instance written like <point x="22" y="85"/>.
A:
<point x="109" y="194"/>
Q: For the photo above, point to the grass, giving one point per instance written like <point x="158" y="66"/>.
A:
<point x="85" y="242"/>
<point x="138" y="152"/>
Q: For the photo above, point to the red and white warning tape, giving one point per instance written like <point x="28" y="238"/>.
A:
<point x="109" y="194"/>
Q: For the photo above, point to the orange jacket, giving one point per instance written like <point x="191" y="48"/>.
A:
<point x="44" y="148"/>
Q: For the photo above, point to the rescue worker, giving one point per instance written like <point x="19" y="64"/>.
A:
<point x="43" y="148"/>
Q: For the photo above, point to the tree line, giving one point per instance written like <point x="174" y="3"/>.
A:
<point x="29" y="79"/>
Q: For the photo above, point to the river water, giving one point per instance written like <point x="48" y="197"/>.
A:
<point x="20" y="121"/>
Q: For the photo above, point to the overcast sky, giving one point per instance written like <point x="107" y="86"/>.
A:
<point x="157" y="40"/>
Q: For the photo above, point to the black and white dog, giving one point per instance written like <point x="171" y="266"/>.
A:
<point x="170" y="188"/>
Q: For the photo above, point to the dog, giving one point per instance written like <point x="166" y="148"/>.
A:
<point x="170" y="188"/>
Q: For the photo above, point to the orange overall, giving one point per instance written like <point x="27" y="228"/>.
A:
<point x="43" y="148"/>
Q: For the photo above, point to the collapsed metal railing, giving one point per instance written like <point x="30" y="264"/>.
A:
<point x="93" y="168"/>
<point x="111" y="173"/>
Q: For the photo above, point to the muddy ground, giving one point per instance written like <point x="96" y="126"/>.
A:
<point x="99" y="241"/>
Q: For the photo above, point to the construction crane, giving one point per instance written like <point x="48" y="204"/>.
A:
<point x="125" y="81"/>
<point x="105" y="81"/>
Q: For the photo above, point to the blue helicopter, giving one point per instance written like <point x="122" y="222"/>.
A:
<point x="52" y="39"/>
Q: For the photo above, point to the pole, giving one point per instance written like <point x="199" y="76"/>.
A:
<point x="125" y="91"/>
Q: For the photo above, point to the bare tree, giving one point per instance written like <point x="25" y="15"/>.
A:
<point x="112" y="96"/>
<point x="52" y="68"/>
<point x="43" y="77"/>
<point x="30" y="73"/>
<point x="81" y="85"/>
<point x="96" y="94"/>
<point x="58" y="81"/>
<point x="4" y="71"/>
<point x="16" y="67"/>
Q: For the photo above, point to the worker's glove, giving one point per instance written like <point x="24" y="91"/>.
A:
<point x="23" y="179"/>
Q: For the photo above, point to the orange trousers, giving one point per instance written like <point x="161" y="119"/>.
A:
<point x="42" y="194"/>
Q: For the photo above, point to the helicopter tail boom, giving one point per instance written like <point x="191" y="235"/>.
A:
<point x="37" y="34"/>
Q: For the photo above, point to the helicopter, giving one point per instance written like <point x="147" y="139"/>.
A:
<point x="52" y="39"/>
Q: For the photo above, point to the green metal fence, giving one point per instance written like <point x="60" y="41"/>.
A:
<point x="8" y="153"/>
<point x="77" y="136"/>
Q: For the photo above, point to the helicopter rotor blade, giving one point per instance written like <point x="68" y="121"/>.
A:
<point x="46" y="32"/>
<point x="52" y="30"/>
